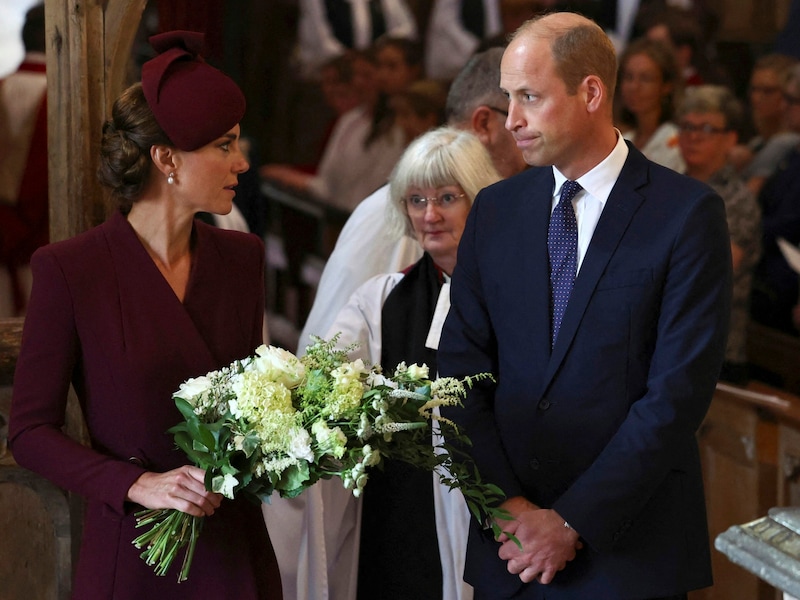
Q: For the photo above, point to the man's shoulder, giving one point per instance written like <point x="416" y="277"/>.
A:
<point x="653" y="180"/>
<point x="531" y="178"/>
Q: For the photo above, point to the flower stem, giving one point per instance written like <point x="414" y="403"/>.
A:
<point x="170" y="531"/>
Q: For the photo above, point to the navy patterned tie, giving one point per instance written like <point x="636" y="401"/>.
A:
<point x="562" y="246"/>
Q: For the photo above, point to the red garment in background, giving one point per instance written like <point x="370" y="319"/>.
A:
<point x="24" y="226"/>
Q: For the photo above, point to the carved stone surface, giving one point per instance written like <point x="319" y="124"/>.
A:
<point x="768" y="547"/>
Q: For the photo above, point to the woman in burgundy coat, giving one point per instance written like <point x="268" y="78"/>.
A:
<point x="128" y="310"/>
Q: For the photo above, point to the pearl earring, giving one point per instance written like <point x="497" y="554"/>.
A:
<point x="171" y="178"/>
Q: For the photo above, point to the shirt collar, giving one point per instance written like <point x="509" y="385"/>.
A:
<point x="599" y="181"/>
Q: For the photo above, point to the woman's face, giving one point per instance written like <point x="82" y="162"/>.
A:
<point x="394" y="74"/>
<point x="643" y="86"/>
<point x="438" y="223"/>
<point x="705" y="141"/>
<point x="206" y="178"/>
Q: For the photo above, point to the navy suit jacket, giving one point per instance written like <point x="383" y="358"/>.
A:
<point x="601" y="429"/>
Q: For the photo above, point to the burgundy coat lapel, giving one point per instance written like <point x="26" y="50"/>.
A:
<point x="141" y="285"/>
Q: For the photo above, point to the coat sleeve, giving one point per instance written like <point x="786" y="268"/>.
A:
<point x="49" y="355"/>
<point x="468" y="346"/>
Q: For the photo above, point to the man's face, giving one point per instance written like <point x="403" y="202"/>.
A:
<point x="500" y="143"/>
<point x="765" y="95"/>
<point x="546" y="122"/>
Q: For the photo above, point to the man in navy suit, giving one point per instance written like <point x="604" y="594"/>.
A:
<point x="590" y="426"/>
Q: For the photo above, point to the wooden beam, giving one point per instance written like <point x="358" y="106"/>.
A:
<point x="88" y="52"/>
<point x="76" y="110"/>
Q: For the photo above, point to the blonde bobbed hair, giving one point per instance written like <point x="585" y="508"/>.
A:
<point x="443" y="156"/>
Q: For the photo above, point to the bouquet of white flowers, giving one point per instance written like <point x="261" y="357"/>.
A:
<point x="273" y="422"/>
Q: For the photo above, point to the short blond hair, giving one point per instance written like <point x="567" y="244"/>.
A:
<point x="579" y="49"/>
<point x="443" y="156"/>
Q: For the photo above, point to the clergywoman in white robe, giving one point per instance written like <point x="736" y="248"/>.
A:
<point x="407" y="536"/>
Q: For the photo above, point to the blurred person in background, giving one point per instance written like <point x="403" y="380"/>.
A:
<point x="310" y="560"/>
<point x="775" y="285"/>
<point x="24" y="206"/>
<point x="708" y="119"/>
<point x="649" y="86"/>
<point x="455" y="31"/>
<point x="760" y="156"/>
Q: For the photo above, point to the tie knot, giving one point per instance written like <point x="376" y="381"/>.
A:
<point x="568" y="190"/>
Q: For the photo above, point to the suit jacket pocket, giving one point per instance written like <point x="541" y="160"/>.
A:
<point x="620" y="279"/>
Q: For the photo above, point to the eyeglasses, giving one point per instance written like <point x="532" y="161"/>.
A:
<point x="419" y="204"/>
<point x="705" y="130"/>
<point x="791" y="100"/>
<point x="497" y="110"/>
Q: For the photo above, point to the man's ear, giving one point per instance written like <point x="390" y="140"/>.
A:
<point x="480" y="122"/>
<point x="594" y="92"/>
<point x="163" y="158"/>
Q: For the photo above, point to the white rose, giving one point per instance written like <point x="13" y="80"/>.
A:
<point x="300" y="445"/>
<point x="281" y="366"/>
<point x="193" y="389"/>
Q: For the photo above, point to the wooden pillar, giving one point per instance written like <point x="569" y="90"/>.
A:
<point x="88" y="50"/>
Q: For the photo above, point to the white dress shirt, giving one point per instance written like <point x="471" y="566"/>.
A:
<point x="590" y="201"/>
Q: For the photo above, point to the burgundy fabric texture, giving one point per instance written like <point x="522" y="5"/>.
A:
<point x="193" y="102"/>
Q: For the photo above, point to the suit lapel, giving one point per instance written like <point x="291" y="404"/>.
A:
<point x="622" y="204"/>
<point x="535" y="286"/>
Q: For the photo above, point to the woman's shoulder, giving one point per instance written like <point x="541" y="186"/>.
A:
<point x="77" y="247"/>
<point x="228" y="239"/>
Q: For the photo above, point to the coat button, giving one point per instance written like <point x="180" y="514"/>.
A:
<point x="544" y="404"/>
<point x="534" y="464"/>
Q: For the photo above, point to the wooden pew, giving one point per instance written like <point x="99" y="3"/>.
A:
<point x="302" y="233"/>
<point x="775" y="356"/>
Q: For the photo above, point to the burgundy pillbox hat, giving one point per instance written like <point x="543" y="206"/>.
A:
<point x="193" y="102"/>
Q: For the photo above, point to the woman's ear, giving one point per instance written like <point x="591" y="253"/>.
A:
<point x="163" y="158"/>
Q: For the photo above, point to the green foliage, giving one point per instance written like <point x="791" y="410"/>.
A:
<point x="343" y="418"/>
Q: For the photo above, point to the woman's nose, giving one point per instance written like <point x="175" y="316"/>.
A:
<point x="432" y="212"/>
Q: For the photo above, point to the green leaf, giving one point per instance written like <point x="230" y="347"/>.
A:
<point x="293" y="478"/>
<point x="186" y="409"/>
<point x="250" y="444"/>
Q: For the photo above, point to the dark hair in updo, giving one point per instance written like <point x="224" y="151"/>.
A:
<point x="125" y="161"/>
